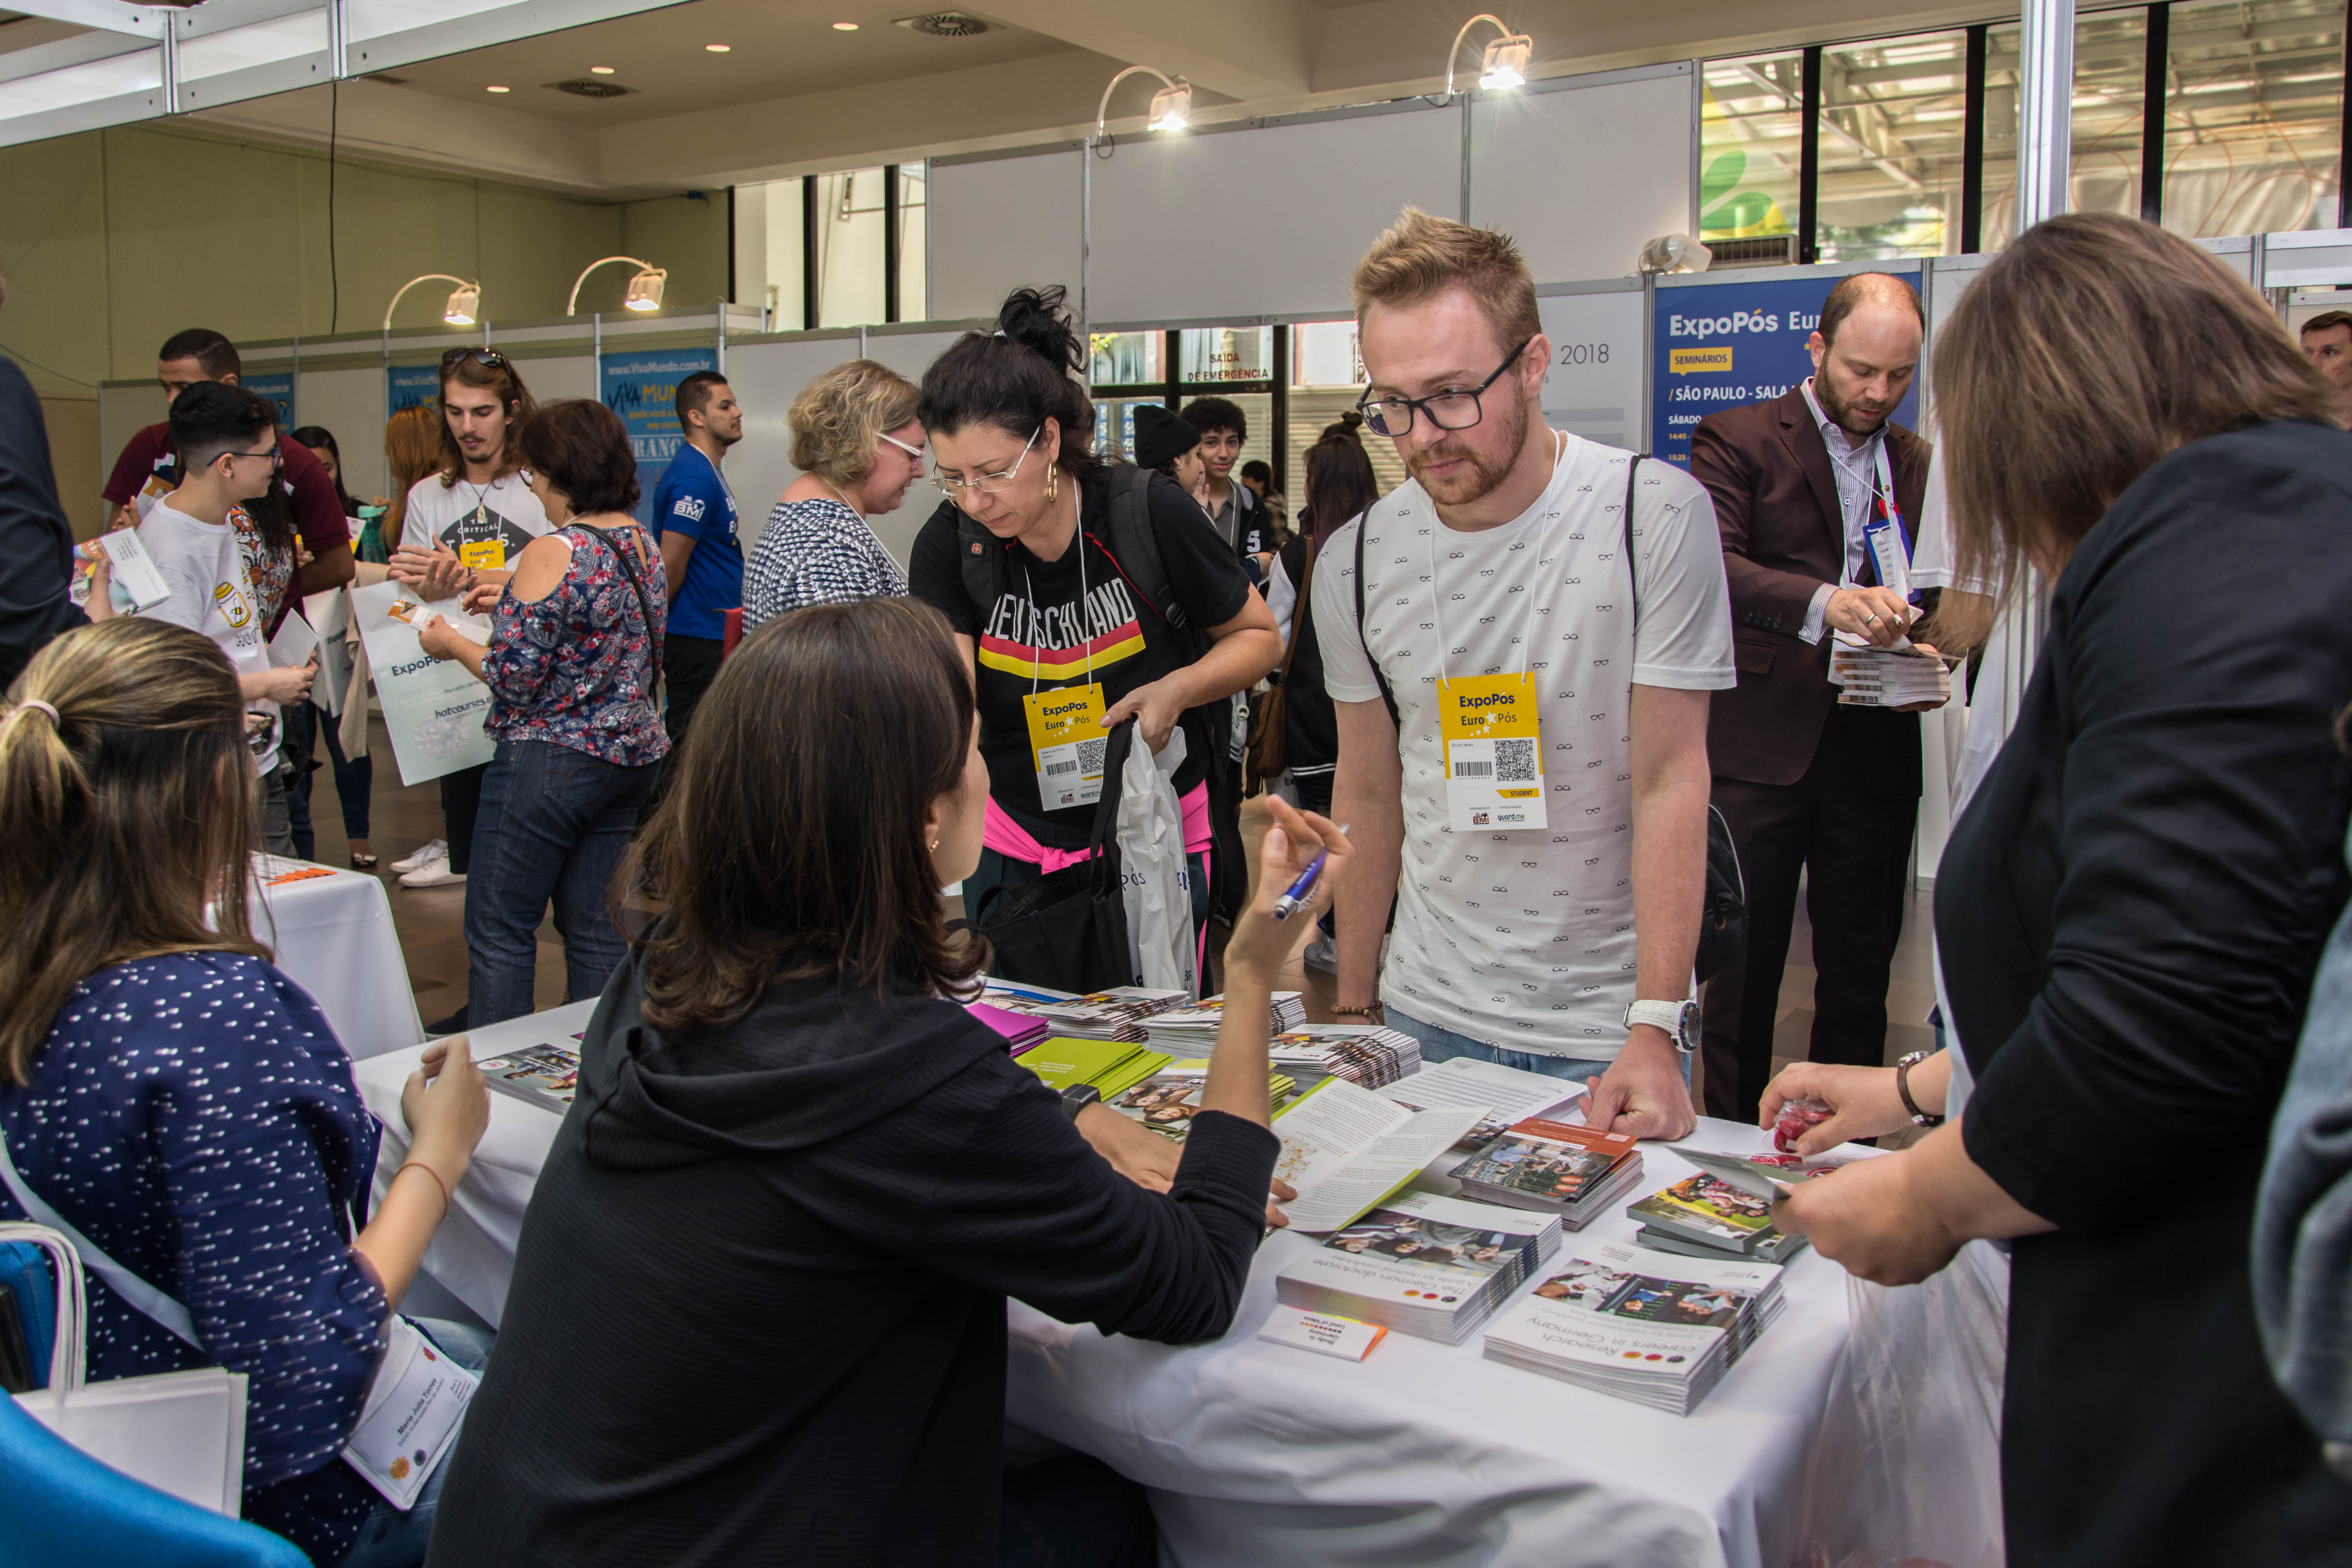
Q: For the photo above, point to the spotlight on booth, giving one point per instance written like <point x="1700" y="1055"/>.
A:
<point x="644" y="286"/>
<point x="465" y="304"/>
<point x="1504" y="64"/>
<point x="1674" y="253"/>
<point x="1171" y="108"/>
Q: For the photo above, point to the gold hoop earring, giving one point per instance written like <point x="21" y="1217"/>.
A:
<point x="1053" y="482"/>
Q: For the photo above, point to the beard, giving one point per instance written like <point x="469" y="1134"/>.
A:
<point x="1855" y="422"/>
<point x="1480" y="476"/>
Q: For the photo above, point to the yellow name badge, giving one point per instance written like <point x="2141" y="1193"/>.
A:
<point x="1067" y="740"/>
<point x="488" y="555"/>
<point x="1494" y="752"/>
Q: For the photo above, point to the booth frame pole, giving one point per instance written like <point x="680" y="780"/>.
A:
<point x="2045" y="112"/>
<point x="1087" y="253"/>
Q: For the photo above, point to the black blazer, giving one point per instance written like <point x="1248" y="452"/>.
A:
<point x="1767" y="472"/>
<point x="2129" y="915"/>
<point x="36" y="545"/>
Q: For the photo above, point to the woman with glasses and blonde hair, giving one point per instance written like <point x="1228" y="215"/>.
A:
<point x="1040" y="561"/>
<point x="2130" y="911"/>
<point x="859" y="447"/>
<point x="171" y="1097"/>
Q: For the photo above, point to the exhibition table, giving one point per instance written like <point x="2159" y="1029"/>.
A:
<point x="1258" y="1453"/>
<point x="333" y="934"/>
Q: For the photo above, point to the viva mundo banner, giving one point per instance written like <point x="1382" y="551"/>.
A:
<point x="1723" y="342"/>
<point x="641" y="388"/>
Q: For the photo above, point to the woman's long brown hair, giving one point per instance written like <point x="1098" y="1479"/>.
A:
<point x="127" y="818"/>
<point x="2091" y="348"/>
<point x="792" y="845"/>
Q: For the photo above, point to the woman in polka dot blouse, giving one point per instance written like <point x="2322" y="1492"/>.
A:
<point x="180" y="1103"/>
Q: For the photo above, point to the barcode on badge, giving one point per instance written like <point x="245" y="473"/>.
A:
<point x="1466" y="770"/>
<point x="1054" y="768"/>
<point x="1515" y="761"/>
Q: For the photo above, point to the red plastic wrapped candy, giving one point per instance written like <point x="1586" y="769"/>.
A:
<point x="1795" y="1117"/>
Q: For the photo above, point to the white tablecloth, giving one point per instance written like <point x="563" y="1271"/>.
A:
<point x="334" y="937"/>
<point x="1259" y="1454"/>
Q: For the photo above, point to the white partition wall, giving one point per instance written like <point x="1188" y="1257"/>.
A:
<point x="349" y="404"/>
<point x="998" y="222"/>
<point x="1261" y="221"/>
<point x="765" y="378"/>
<point x="1584" y="170"/>
<point x="1595" y="387"/>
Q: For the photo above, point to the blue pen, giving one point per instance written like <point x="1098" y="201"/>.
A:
<point x="1291" y="903"/>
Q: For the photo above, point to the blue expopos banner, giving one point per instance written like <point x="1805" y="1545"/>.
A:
<point x="1720" y="345"/>
<point x="279" y="388"/>
<point x="406" y="386"/>
<point x="641" y="388"/>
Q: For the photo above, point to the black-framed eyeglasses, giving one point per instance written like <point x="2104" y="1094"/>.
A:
<point x="1454" y="409"/>
<point x="490" y="357"/>
<point x="276" y="455"/>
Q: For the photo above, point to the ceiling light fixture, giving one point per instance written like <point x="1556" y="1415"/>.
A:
<point x="1172" y="106"/>
<point x="717" y="48"/>
<point x="498" y="89"/>
<point x="464" y="305"/>
<point x="1505" y="61"/>
<point x="644" y="289"/>
<point x="845" y="26"/>
<point x="600" y="71"/>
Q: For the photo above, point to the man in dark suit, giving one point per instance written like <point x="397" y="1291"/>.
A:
<point x="1808" y="785"/>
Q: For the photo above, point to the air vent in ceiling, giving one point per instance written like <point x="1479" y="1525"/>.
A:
<point x="944" y="25"/>
<point x="590" y="87"/>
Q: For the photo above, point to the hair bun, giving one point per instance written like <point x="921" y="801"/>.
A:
<point x="1039" y="320"/>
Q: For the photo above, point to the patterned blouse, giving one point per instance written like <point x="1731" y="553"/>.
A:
<point x="816" y="553"/>
<point x="272" y="571"/>
<point x="194" y="1116"/>
<point x="576" y="669"/>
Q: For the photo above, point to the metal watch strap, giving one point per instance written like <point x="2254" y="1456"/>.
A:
<point x="1903" y="1087"/>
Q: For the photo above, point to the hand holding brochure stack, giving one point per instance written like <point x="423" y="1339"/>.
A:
<point x="1432" y="1266"/>
<point x="1643" y="1325"/>
<point x="1886" y="677"/>
<point x="1725" y="1209"/>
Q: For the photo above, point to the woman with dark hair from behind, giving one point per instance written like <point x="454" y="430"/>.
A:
<point x="575" y="650"/>
<point x="1340" y="486"/>
<point x="166" y="1093"/>
<point x="1010" y="439"/>
<point x="821" y="1178"/>
<point x="2130" y="911"/>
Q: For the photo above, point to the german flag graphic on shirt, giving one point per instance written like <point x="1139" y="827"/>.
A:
<point x="1061" y="642"/>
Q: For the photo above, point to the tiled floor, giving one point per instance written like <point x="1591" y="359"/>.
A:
<point x="431" y="922"/>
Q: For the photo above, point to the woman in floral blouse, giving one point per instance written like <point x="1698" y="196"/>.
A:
<point x="574" y="655"/>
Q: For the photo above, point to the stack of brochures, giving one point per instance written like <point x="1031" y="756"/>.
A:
<point x="1511" y="1094"/>
<point x="1888" y="677"/>
<point x="547" y="1075"/>
<point x="1432" y="1266"/>
<point x="1113" y="1067"/>
<point x="1117" y="1013"/>
<point x="1169" y="1098"/>
<point x="1365" y="1055"/>
<point x="1021" y="1030"/>
<point x="1725" y="1209"/>
<point x="1648" y="1326"/>
<point x="1193" y="1029"/>
<point x="1553" y="1167"/>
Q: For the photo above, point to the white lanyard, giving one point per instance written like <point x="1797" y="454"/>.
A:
<point x="1437" y="595"/>
<point x="1036" y="622"/>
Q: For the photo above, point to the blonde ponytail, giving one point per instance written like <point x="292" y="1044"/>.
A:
<point x="125" y="804"/>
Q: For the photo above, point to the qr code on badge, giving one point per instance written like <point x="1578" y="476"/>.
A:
<point x="1090" y="757"/>
<point x="1515" y="761"/>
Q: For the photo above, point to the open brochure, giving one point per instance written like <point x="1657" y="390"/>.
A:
<point x="1345" y="1149"/>
<point x="1512" y="1095"/>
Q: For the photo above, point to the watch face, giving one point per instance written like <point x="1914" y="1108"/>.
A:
<point x="1689" y="1029"/>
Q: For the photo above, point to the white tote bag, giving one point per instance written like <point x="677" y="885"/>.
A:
<point x="180" y="1432"/>
<point x="1157" y="887"/>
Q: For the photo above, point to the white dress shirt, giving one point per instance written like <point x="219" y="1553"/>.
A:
<point x="1856" y="465"/>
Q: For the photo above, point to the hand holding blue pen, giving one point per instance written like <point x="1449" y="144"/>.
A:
<point x="1300" y="891"/>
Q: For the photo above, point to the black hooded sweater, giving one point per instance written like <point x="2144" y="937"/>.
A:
<point x="758" y="1308"/>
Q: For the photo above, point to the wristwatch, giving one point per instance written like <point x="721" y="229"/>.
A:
<point x="1903" y="1087"/>
<point x="1077" y="1098"/>
<point x="1678" y="1019"/>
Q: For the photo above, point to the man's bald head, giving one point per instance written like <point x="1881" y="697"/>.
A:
<point x="1869" y="290"/>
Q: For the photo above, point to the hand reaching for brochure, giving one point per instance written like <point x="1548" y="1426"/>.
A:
<point x="287" y="684"/>
<point x="439" y="639"/>
<point x="436" y="574"/>
<point x="447" y="1105"/>
<point x="1147" y="1159"/>
<point x="1260" y="942"/>
<point x="489" y="588"/>
<point x="1868" y="1216"/>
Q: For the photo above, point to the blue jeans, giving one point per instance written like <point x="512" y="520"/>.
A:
<point x="390" y="1539"/>
<point x="554" y="823"/>
<point x="354" y="778"/>
<point x="1439" y="1044"/>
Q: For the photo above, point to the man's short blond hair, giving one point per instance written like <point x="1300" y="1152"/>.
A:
<point x="1422" y="256"/>
<point x="839" y="419"/>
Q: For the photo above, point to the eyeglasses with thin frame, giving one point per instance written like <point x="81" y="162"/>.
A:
<point x="1455" y="408"/>
<point x="914" y="452"/>
<point x="986" y="484"/>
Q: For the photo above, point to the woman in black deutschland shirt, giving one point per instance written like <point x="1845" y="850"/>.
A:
<point x="1050" y="591"/>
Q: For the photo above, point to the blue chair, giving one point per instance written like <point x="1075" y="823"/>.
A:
<point x="59" y="1505"/>
<point x="25" y="1269"/>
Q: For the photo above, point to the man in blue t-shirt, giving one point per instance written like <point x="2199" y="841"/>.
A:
<point x="694" y="518"/>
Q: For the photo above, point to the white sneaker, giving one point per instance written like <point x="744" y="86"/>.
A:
<point x="436" y="850"/>
<point x="433" y="874"/>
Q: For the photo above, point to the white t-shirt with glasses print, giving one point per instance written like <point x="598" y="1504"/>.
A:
<point x="1525" y="939"/>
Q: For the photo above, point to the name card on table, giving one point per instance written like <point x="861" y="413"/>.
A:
<point x="1326" y="1334"/>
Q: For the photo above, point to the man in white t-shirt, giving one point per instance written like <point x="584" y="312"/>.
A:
<point x="1538" y="807"/>
<point x="462" y="526"/>
<point x="227" y="441"/>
